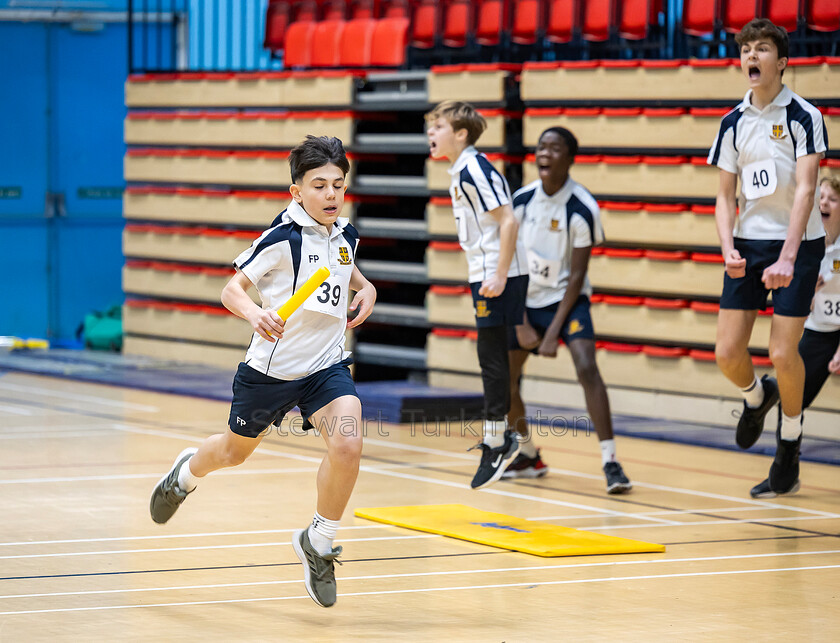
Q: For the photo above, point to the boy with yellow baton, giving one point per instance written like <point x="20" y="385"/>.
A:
<point x="304" y="262"/>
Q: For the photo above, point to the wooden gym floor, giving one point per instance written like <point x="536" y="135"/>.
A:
<point x="80" y="559"/>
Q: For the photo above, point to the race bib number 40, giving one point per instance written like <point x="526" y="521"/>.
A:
<point x="329" y="299"/>
<point x="759" y="179"/>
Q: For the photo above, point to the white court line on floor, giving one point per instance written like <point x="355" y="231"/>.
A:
<point x="224" y="472"/>
<point x="58" y="435"/>
<point x="110" y="552"/>
<point x="430" y="589"/>
<point x="703" y="523"/>
<point x="578" y="474"/>
<point x="76" y="397"/>
<point x="456" y="572"/>
<point x="406" y="476"/>
<point x="14" y="410"/>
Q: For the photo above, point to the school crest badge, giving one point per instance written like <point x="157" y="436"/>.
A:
<point x="481" y="309"/>
<point x="835" y="266"/>
<point x="778" y="132"/>
<point x="344" y="256"/>
<point x="555" y="225"/>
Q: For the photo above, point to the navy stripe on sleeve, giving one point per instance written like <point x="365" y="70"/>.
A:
<point x="730" y="120"/>
<point x="488" y="169"/>
<point x="795" y="112"/>
<point x="277" y="235"/>
<point x="576" y="206"/>
<point x="524" y="198"/>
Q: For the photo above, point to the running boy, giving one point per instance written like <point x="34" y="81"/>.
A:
<point x="820" y="343"/>
<point x="771" y="236"/>
<point x="487" y="231"/>
<point x="559" y="223"/>
<point x="301" y="362"/>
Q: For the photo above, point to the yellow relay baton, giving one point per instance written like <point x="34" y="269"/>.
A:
<point x="303" y="292"/>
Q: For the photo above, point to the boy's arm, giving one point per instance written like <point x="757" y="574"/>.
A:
<point x="780" y="274"/>
<point x="494" y="285"/>
<point x="236" y="299"/>
<point x="364" y="299"/>
<point x="726" y="209"/>
<point x="577" y="273"/>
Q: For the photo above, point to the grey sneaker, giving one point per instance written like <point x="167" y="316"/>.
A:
<point x="167" y="496"/>
<point x="318" y="571"/>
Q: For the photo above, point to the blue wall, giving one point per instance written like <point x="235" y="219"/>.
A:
<point x="60" y="130"/>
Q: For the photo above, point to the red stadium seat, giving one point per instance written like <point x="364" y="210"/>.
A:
<point x="824" y="15"/>
<point x="526" y="21"/>
<point x="357" y="43"/>
<point x="597" y="20"/>
<point x="700" y="17"/>
<point x="636" y="17"/>
<point x="737" y="13"/>
<point x="784" y="13"/>
<point x="362" y="9"/>
<point x="303" y="10"/>
<point x="395" y="9"/>
<point x="457" y="22"/>
<point x="276" y="23"/>
<point x="425" y="24"/>
<point x="333" y="10"/>
<point x="563" y="20"/>
<point x="489" y="22"/>
<point x="298" y="43"/>
<point x="389" y="41"/>
<point x="326" y="43"/>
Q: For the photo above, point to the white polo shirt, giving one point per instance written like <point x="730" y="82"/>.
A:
<point x="476" y="189"/>
<point x="761" y="147"/>
<point x="825" y="318"/>
<point x="278" y="263"/>
<point x="549" y="227"/>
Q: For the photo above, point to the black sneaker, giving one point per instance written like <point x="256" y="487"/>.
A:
<point x="617" y="482"/>
<point x="525" y="467"/>
<point x="494" y="461"/>
<point x="167" y="496"/>
<point x="784" y="472"/>
<point x="751" y="423"/>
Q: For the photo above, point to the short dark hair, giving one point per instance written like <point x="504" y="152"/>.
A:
<point x="460" y="115"/>
<point x="762" y="28"/>
<point x="315" y="152"/>
<point x="567" y="136"/>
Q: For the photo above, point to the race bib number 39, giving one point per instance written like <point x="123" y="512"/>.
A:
<point x="329" y="299"/>
<point x="759" y="179"/>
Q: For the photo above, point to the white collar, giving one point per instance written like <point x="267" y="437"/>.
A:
<point x="462" y="160"/>
<point x="782" y="99"/>
<point x="561" y="196"/>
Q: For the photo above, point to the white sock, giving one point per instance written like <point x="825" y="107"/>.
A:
<point x="754" y="393"/>
<point x="322" y="533"/>
<point x="186" y="480"/>
<point x="494" y="432"/>
<point x="791" y="427"/>
<point x="527" y="447"/>
<point x="607" y="451"/>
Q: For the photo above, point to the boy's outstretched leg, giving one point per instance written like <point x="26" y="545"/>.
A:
<point x="216" y="452"/>
<point x="340" y="423"/>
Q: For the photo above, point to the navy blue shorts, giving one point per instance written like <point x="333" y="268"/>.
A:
<point x="260" y="400"/>
<point x="508" y="309"/>
<point x="748" y="292"/>
<point x="578" y="324"/>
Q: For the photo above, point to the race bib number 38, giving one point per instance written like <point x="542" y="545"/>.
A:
<point x="329" y="299"/>
<point x="759" y="179"/>
<point x="827" y="308"/>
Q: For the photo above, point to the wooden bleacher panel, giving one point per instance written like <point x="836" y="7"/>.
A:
<point x="184" y="351"/>
<point x="495" y="134"/>
<point x="260" y="89"/>
<point x="654" y="223"/>
<point x="208" y="166"/>
<point x="814" y="78"/>
<point x="640" y="176"/>
<point x="177" y="281"/>
<point x="673" y="273"/>
<point x="438" y="178"/>
<point x="278" y="129"/>
<point x="439" y="218"/>
<point x="631" y="127"/>
<point x="478" y="83"/>
<point x="194" y="322"/>
<point x="446" y="261"/>
<point x="182" y="243"/>
<point x="450" y="305"/>
<point x="207" y="206"/>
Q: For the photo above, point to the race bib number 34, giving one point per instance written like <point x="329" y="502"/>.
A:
<point x="759" y="179"/>
<point x="542" y="271"/>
